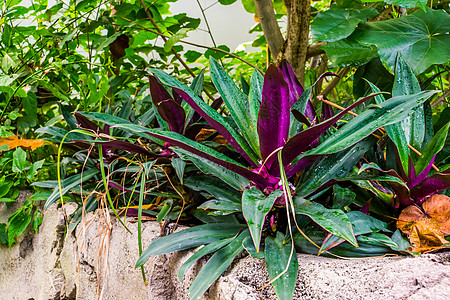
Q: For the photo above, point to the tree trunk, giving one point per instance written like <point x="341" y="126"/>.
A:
<point x="270" y="27"/>
<point x="298" y="35"/>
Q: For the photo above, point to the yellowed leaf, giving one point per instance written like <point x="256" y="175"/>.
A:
<point x="13" y="142"/>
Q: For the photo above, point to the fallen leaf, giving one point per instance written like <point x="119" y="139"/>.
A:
<point x="438" y="208"/>
<point x="426" y="227"/>
<point x="13" y="142"/>
<point x="426" y="236"/>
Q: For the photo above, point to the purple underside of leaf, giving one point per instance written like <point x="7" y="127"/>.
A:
<point x="216" y="125"/>
<point x="85" y="123"/>
<point x="127" y="146"/>
<point x="295" y="88"/>
<point x="412" y="172"/>
<point x="301" y="141"/>
<point x="119" y="187"/>
<point x="303" y="163"/>
<point x="431" y="185"/>
<point x="134" y="212"/>
<point x="274" y="113"/>
<point x="169" y="110"/>
<point x="256" y="178"/>
<point x="423" y="175"/>
<point x="327" y="111"/>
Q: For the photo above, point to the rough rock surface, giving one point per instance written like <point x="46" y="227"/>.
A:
<point x="98" y="259"/>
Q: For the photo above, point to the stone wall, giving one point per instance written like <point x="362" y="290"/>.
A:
<point x="98" y="258"/>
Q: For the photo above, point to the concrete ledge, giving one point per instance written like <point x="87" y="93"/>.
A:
<point x="99" y="257"/>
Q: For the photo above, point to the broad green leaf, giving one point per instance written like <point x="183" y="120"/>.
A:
<point x="348" y="52"/>
<point x="5" y="186"/>
<point x="175" y="38"/>
<point x="405" y="83"/>
<point x="216" y="265"/>
<point x="18" y="222"/>
<point x="389" y="112"/>
<point x="334" y="166"/>
<point x="207" y="249"/>
<point x="19" y="160"/>
<point x="433" y="147"/>
<point x="189" y="238"/>
<point x="213" y="186"/>
<point x="255" y="207"/>
<point x="377" y="238"/>
<point x="278" y="257"/>
<point x="408" y="3"/>
<point x="395" y="132"/>
<point x="335" y="24"/>
<point x="236" y="102"/>
<point x="69" y="183"/>
<point x="422" y="38"/>
<point x="334" y="221"/>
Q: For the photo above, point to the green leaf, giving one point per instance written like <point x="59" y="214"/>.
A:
<point x="278" y="257"/>
<point x="30" y="106"/>
<point x="342" y="197"/>
<point x="175" y="38"/>
<point x="169" y="80"/>
<point x="227" y="2"/>
<point x="335" y="24"/>
<point x="422" y="38"/>
<point x="333" y="166"/>
<point x="405" y="83"/>
<point x="254" y="100"/>
<point x="348" y="52"/>
<point x="255" y="207"/>
<point x="69" y="183"/>
<point x="389" y="112"/>
<point x="191" y="55"/>
<point x="3" y="234"/>
<point x="408" y="3"/>
<point x="249" y="246"/>
<point x="18" y="222"/>
<point x="216" y="265"/>
<point x="178" y="164"/>
<point x="237" y="181"/>
<point x="433" y="147"/>
<point x="207" y="249"/>
<point x="221" y="207"/>
<point x="189" y="238"/>
<point x="395" y="132"/>
<point x="236" y="102"/>
<point x="217" y="188"/>
<point x="19" y="160"/>
<point x="5" y="186"/>
<point x="164" y="211"/>
<point x="334" y="221"/>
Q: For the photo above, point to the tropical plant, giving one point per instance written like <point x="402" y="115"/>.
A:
<point x="257" y="130"/>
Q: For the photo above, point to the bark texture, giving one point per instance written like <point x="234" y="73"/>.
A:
<point x="298" y="35"/>
<point x="270" y="27"/>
